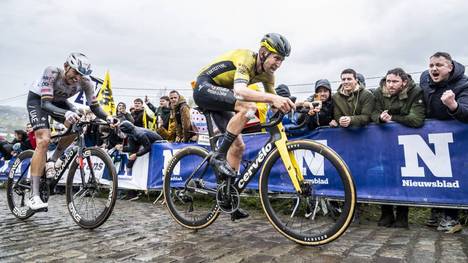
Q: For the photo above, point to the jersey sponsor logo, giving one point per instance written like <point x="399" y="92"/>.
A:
<point x="219" y="68"/>
<point x="33" y="116"/>
<point x="243" y="69"/>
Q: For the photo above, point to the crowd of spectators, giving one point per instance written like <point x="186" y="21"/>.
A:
<point x="442" y="93"/>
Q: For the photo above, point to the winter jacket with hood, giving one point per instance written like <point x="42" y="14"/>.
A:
<point x="358" y="105"/>
<point x="458" y="83"/>
<point x="183" y="123"/>
<point x="407" y="107"/>
<point x="325" y="115"/>
<point x="139" y="139"/>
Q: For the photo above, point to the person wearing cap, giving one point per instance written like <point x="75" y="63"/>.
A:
<point x="321" y="106"/>
<point x="49" y="97"/>
<point x="353" y="103"/>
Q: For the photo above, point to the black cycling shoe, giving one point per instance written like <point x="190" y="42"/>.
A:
<point x="221" y="166"/>
<point x="239" y="214"/>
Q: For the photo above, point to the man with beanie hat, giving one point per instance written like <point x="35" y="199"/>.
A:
<point x="321" y="106"/>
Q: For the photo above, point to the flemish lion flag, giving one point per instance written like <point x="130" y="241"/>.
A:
<point x="105" y="98"/>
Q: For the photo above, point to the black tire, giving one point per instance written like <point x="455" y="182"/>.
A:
<point x="16" y="193"/>
<point x="193" y="208"/>
<point x="288" y="211"/>
<point x="101" y="192"/>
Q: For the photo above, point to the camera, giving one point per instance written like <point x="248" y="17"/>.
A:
<point x="316" y="104"/>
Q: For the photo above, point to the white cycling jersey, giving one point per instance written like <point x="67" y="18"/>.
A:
<point x="52" y="85"/>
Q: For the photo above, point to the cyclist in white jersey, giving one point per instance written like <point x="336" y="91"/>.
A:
<point x="49" y="96"/>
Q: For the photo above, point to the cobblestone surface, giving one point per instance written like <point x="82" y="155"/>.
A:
<point x="142" y="232"/>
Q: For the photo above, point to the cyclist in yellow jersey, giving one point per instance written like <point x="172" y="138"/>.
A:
<point x="222" y="87"/>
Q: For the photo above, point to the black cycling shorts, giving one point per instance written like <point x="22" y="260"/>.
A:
<point x="38" y="117"/>
<point x="219" y="100"/>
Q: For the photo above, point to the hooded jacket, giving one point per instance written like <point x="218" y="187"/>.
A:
<point x="458" y="83"/>
<point x="325" y="115"/>
<point x="139" y="139"/>
<point x="359" y="105"/>
<point x="183" y="123"/>
<point x="407" y="107"/>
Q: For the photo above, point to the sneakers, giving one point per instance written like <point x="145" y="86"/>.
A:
<point x="35" y="203"/>
<point x="239" y="214"/>
<point x="221" y="166"/>
<point x="50" y="169"/>
<point x="449" y="226"/>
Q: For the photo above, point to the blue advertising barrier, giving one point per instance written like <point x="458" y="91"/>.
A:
<point x="390" y="163"/>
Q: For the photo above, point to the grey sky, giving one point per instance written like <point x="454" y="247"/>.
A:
<point x="162" y="44"/>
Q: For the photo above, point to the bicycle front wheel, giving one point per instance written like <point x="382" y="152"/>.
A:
<point x="91" y="188"/>
<point x="306" y="217"/>
<point x="18" y="186"/>
<point x="190" y="188"/>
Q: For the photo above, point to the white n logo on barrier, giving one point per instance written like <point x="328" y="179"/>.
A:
<point x="315" y="162"/>
<point x="438" y="161"/>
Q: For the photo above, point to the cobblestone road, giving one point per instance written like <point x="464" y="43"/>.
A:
<point x="144" y="232"/>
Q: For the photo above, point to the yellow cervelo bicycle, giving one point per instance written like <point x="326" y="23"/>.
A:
<point x="295" y="177"/>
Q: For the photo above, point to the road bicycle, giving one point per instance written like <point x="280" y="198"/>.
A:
<point x="295" y="177"/>
<point x="91" y="183"/>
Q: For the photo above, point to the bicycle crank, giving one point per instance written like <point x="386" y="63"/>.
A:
<point x="228" y="198"/>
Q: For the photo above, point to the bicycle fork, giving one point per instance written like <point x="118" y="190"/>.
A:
<point x="289" y="160"/>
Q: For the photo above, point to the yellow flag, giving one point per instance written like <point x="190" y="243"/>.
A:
<point x="105" y="98"/>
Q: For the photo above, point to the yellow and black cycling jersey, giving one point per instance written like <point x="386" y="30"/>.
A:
<point x="237" y="66"/>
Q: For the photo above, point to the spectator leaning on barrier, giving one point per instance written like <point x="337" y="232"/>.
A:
<point x="31" y="136"/>
<point x="353" y="104"/>
<point x="321" y="106"/>
<point x="139" y="141"/>
<point x="21" y="137"/>
<point x="122" y="113"/>
<point x="400" y="100"/>
<point x="445" y="89"/>
<point x="5" y="149"/>
<point x="181" y="110"/>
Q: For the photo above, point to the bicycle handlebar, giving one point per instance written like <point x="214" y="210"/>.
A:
<point x="77" y="127"/>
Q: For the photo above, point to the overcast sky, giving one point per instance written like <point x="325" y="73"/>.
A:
<point x="161" y="45"/>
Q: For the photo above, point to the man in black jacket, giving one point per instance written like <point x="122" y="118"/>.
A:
<point x="445" y="89"/>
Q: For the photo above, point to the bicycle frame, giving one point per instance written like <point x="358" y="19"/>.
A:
<point x="278" y="139"/>
<point x="75" y="151"/>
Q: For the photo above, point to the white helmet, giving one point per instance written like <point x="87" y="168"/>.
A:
<point x="80" y="63"/>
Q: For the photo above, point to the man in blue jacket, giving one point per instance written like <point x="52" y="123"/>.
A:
<point x="445" y="89"/>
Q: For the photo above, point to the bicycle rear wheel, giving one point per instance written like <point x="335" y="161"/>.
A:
<point x="190" y="193"/>
<point x="327" y="180"/>
<point x="91" y="188"/>
<point x="18" y="186"/>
